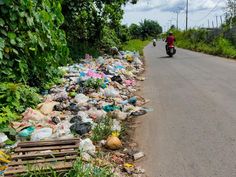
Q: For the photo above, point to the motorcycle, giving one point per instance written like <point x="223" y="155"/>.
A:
<point x="170" y="50"/>
<point x="154" y="44"/>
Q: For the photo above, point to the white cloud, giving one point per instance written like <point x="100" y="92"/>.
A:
<point x="163" y="11"/>
<point x="173" y="5"/>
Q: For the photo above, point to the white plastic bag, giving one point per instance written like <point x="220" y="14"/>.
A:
<point x="116" y="127"/>
<point x="40" y="134"/>
<point x="111" y="92"/>
<point x="86" y="145"/>
<point x="81" y="99"/>
<point x="87" y="149"/>
<point x="3" y="138"/>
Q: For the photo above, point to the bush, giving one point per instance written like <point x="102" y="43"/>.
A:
<point x="83" y="169"/>
<point x="31" y="44"/>
<point x="14" y="99"/>
<point x="102" y="130"/>
<point x="205" y="41"/>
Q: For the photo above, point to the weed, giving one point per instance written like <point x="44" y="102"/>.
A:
<point x="136" y="45"/>
<point x="82" y="169"/>
<point x="102" y="130"/>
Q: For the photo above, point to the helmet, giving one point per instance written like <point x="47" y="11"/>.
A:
<point x="170" y="33"/>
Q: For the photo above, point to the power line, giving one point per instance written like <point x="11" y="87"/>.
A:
<point x="213" y="9"/>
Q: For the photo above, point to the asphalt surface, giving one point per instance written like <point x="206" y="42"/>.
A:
<point x="191" y="131"/>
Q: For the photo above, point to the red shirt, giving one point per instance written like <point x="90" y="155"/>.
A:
<point x="170" y="40"/>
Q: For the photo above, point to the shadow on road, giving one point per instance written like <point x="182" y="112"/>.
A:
<point x="165" y="57"/>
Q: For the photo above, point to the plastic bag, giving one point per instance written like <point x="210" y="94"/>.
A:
<point x="87" y="149"/>
<point x="47" y="107"/>
<point x="3" y="138"/>
<point x="96" y="114"/>
<point x="40" y="134"/>
<point x="26" y="132"/>
<point x="117" y="114"/>
<point x="81" y="99"/>
<point x="61" y="96"/>
<point x="62" y="129"/>
<point x="116" y="127"/>
<point x="100" y="60"/>
<point x="111" y="92"/>
<point x="31" y="114"/>
<point x="110" y="108"/>
<point x="86" y="146"/>
<point x="117" y="79"/>
<point x="81" y="128"/>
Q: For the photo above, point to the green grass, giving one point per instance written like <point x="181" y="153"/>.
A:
<point x="136" y="45"/>
<point x="102" y="129"/>
<point x="79" y="169"/>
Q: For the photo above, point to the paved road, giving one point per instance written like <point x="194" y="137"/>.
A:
<point x="192" y="130"/>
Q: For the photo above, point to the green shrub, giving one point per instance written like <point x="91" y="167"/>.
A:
<point x="136" y="45"/>
<point x="31" y="44"/>
<point x="14" y="99"/>
<point x="204" y="41"/>
<point x="102" y="130"/>
<point x="82" y="169"/>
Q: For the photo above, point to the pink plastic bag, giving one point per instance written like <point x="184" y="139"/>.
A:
<point x="129" y="82"/>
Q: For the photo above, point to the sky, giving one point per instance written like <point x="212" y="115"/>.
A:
<point x="164" y="11"/>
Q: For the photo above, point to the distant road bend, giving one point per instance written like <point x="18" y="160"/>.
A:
<point x="192" y="130"/>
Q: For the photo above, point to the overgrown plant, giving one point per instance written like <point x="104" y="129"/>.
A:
<point x="103" y="129"/>
<point x="14" y="99"/>
<point x="206" y="41"/>
<point x="92" y="24"/>
<point x="93" y="83"/>
<point x="82" y="169"/>
<point x="31" y="44"/>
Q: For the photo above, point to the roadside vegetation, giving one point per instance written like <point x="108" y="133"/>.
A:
<point x="202" y="40"/>
<point x="136" y="45"/>
<point x="79" y="169"/>
<point x="216" y="41"/>
<point x="37" y="37"/>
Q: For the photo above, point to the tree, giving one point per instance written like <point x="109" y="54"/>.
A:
<point x="31" y="44"/>
<point x="135" y="31"/>
<point x="231" y="12"/>
<point x="85" y="21"/>
<point x="150" y="28"/>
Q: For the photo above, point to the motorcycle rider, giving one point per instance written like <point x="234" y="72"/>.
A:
<point x="170" y="40"/>
<point x="154" y="42"/>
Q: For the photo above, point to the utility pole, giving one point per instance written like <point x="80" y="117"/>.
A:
<point x="177" y="21"/>
<point x="187" y="15"/>
<point x="217" y="25"/>
<point x="208" y="23"/>
<point x="213" y="24"/>
<point x="221" y="20"/>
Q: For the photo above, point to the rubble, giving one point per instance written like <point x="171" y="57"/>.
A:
<point x="91" y="91"/>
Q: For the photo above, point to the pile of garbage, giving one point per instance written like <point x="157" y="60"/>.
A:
<point x="93" y="94"/>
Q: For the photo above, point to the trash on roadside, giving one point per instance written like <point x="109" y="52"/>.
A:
<point x="3" y="138"/>
<point x="91" y="91"/>
<point x="26" y="132"/>
<point x="139" y="113"/>
<point x="81" y="128"/>
<point x="40" y="134"/>
<point x="138" y="155"/>
<point x="113" y="143"/>
<point x="32" y="115"/>
<point x="87" y="149"/>
<point x="4" y="161"/>
<point x="110" y="108"/>
<point x="47" y="107"/>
